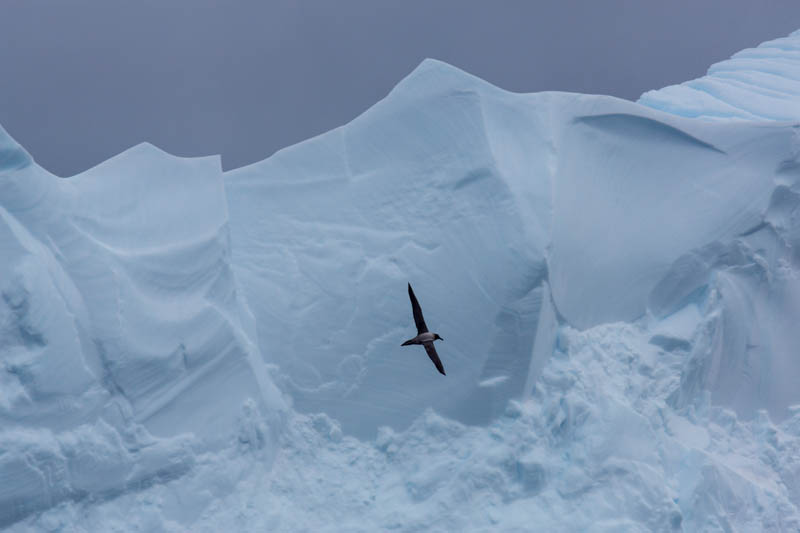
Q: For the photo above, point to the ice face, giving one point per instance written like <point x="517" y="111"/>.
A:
<point x="626" y="276"/>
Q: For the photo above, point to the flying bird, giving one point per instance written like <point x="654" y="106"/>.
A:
<point x="424" y="337"/>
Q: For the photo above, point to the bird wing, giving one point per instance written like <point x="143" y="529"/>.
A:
<point x="421" y="327"/>
<point x="429" y="347"/>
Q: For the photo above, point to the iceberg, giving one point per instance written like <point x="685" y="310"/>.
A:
<point x="617" y="283"/>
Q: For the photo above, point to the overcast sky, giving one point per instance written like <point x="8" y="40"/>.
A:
<point x="83" y="80"/>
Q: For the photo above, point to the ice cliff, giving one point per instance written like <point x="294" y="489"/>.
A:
<point x="618" y="285"/>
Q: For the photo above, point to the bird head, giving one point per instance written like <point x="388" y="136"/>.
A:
<point x="437" y="337"/>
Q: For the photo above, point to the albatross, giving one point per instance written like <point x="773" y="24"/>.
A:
<point x="424" y="337"/>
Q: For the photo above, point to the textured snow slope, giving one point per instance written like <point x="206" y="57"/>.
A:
<point x="617" y="288"/>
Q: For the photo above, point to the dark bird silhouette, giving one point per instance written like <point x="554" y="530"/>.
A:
<point x="424" y="337"/>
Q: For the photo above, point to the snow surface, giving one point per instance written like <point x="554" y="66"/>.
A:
<point x="617" y="287"/>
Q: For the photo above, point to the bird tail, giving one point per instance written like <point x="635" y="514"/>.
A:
<point x="408" y="342"/>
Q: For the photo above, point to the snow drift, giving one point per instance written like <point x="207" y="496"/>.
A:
<point x="617" y="286"/>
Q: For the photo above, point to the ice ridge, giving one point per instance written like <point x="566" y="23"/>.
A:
<point x="761" y="83"/>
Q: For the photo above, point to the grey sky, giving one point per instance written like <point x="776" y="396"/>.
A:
<point x="83" y="80"/>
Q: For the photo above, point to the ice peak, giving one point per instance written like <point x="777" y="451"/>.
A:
<point x="433" y="76"/>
